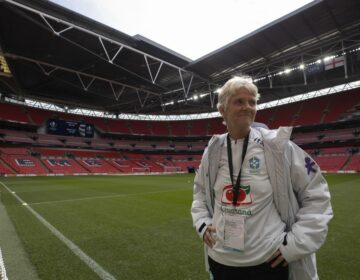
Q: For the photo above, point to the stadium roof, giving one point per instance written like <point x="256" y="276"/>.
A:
<point x="59" y="56"/>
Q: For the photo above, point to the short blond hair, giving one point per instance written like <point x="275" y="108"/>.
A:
<point x="232" y="86"/>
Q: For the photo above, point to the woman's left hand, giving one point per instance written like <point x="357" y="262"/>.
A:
<point x="277" y="259"/>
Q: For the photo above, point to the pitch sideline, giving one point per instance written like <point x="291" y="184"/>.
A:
<point x="2" y="268"/>
<point x="92" y="264"/>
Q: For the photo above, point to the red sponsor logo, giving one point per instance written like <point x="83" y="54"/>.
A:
<point x="244" y="197"/>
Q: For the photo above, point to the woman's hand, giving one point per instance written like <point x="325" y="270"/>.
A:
<point x="208" y="236"/>
<point x="277" y="259"/>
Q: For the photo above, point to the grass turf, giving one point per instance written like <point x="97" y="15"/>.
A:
<point x="139" y="227"/>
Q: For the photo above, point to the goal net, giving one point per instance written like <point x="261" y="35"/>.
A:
<point x="172" y="169"/>
<point x="140" y="170"/>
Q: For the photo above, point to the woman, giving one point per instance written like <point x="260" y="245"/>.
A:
<point x="260" y="202"/>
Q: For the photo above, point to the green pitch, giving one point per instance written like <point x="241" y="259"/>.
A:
<point x="139" y="227"/>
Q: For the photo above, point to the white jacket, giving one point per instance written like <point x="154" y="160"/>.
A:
<point x="301" y="196"/>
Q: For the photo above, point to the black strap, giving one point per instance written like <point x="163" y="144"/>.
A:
<point x="201" y="227"/>
<point x="236" y="186"/>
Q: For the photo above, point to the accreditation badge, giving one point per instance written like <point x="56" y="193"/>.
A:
<point x="234" y="231"/>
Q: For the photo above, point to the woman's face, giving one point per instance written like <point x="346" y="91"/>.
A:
<point x="240" y="111"/>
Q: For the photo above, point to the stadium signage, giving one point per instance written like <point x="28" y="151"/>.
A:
<point x="70" y="128"/>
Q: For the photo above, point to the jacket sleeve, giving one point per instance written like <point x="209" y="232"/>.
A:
<point x="309" y="231"/>
<point x="199" y="210"/>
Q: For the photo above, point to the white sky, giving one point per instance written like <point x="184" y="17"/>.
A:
<point x="192" y="28"/>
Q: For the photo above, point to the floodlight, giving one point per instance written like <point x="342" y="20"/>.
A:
<point x="327" y="58"/>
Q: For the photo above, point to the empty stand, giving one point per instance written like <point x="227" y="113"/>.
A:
<point x="84" y="153"/>
<point x="339" y="134"/>
<point x="309" y="137"/>
<point x="99" y="155"/>
<point x="334" y="151"/>
<point x="160" y="128"/>
<point x="16" y="136"/>
<point x="354" y="164"/>
<point x="185" y="162"/>
<point x="14" y="151"/>
<point x="179" y="128"/>
<point x="14" y="113"/>
<point x="199" y="127"/>
<point x="123" y="165"/>
<point x="39" y="116"/>
<point x="99" y="124"/>
<point x="324" y="136"/>
<point x="140" y="127"/>
<point x="284" y="115"/>
<point x="340" y="103"/>
<point x="76" y="142"/>
<point x="331" y="163"/>
<point x="152" y="166"/>
<point x="96" y="165"/>
<point x="100" y="144"/>
<point x="216" y="126"/>
<point x="50" y="140"/>
<point x="265" y="116"/>
<point x="48" y="152"/>
<point x="118" y="126"/>
<point x="311" y="112"/>
<point x="24" y="164"/>
<point x="5" y="169"/>
<point x="121" y="144"/>
<point x="63" y="166"/>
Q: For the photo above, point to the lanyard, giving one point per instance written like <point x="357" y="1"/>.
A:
<point x="236" y="186"/>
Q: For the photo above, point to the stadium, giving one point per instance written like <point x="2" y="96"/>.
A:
<point x="101" y="134"/>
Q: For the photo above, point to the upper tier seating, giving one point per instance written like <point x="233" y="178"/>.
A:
<point x="199" y="127"/>
<point x="312" y="111"/>
<point x="180" y="128"/>
<point x="13" y="113"/>
<point x="140" y="127"/>
<point x="322" y="109"/>
<point x="284" y="115"/>
<point x="38" y="116"/>
<point x="160" y="128"/>
<point x="118" y="126"/>
<point x="339" y="104"/>
<point x="216" y="126"/>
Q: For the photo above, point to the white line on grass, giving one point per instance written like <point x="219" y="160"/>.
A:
<point x="106" y="196"/>
<point x="2" y="268"/>
<point x="93" y="265"/>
